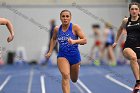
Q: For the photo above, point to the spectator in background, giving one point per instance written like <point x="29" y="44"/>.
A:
<point x="109" y="40"/>
<point x="52" y="26"/>
<point x="121" y="60"/>
<point x="96" y="44"/>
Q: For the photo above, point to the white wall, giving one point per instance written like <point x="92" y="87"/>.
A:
<point x="29" y="35"/>
<point x="64" y="1"/>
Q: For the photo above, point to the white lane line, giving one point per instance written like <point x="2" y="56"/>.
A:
<point x="5" y="82"/>
<point x="79" y="88"/>
<point x="42" y="79"/>
<point x="83" y="86"/>
<point x="118" y="82"/>
<point x="30" y="81"/>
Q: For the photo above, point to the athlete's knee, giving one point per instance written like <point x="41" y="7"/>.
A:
<point x="66" y="76"/>
<point x="133" y="58"/>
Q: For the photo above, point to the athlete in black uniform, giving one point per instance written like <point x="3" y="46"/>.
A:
<point x="132" y="44"/>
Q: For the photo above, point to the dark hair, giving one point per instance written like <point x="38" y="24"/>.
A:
<point x="65" y="11"/>
<point x="95" y="26"/>
<point x="134" y="3"/>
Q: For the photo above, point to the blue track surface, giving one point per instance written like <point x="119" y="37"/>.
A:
<point x="37" y="79"/>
